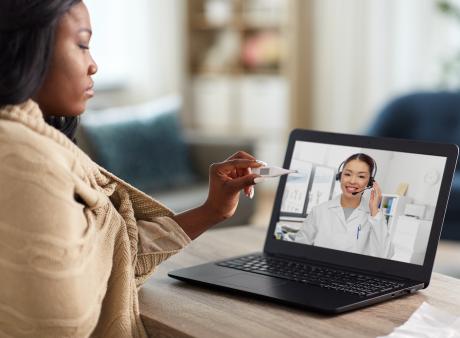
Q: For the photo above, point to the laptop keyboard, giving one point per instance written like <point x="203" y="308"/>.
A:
<point x="324" y="277"/>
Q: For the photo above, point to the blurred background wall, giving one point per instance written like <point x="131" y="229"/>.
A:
<point x="259" y="68"/>
<point x="263" y="67"/>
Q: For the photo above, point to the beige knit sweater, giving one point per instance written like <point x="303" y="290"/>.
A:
<point x="69" y="266"/>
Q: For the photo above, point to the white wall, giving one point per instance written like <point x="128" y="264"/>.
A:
<point x="411" y="169"/>
<point x="324" y="154"/>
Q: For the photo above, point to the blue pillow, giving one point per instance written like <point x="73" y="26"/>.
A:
<point x="142" y="145"/>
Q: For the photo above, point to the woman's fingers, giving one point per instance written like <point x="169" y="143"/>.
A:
<point x="376" y="195"/>
<point x="246" y="156"/>
<point x="244" y="172"/>
<point x="378" y="191"/>
<point x="238" y="166"/>
<point x="240" y="183"/>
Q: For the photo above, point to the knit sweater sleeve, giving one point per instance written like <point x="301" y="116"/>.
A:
<point x="49" y="283"/>
<point x="154" y="235"/>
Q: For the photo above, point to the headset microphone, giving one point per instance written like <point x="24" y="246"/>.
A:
<point x="358" y="192"/>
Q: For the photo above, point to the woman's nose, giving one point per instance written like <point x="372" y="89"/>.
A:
<point x="92" y="67"/>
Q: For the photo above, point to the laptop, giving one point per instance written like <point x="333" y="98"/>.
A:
<point x="322" y="256"/>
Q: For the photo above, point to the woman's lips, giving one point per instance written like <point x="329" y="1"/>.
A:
<point x="90" y="91"/>
<point x="351" y="189"/>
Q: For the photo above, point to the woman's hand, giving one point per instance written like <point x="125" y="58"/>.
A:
<point x="375" y="199"/>
<point x="226" y="180"/>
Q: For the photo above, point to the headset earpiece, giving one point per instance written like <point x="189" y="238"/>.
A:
<point x="338" y="176"/>
<point x="374" y="172"/>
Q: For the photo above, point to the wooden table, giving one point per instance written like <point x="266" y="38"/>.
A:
<point x="171" y="308"/>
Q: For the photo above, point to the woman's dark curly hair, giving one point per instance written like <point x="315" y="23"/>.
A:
<point x="27" y="32"/>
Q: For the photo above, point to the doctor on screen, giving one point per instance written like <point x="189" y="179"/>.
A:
<point x="350" y="222"/>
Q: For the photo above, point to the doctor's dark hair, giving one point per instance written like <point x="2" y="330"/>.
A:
<point x="364" y="158"/>
<point x="27" y="35"/>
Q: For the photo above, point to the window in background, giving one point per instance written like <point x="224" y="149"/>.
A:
<point x="138" y="48"/>
<point x="367" y="52"/>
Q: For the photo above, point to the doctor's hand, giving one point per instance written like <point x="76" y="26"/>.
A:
<point x="375" y="199"/>
<point x="226" y="180"/>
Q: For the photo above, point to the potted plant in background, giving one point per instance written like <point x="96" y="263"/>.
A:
<point x="450" y="68"/>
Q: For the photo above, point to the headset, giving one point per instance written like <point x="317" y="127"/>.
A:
<point x="371" y="181"/>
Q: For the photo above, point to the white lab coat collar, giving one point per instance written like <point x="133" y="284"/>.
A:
<point x="335" y="205"/>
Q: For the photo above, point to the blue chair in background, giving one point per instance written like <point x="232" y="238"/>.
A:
<point x="428" y="116"/>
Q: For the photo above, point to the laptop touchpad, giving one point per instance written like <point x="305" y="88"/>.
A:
<point x="251" y="282"/>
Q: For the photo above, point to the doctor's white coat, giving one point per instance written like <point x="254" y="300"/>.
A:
<point x="361" y="233"/>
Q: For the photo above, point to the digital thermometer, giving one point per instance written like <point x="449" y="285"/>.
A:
<point x="272" y="171"/>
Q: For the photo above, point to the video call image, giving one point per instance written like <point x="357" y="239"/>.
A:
<point x="366" y="201"/>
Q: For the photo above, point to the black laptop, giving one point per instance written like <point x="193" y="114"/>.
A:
<point x="347" y="259"/>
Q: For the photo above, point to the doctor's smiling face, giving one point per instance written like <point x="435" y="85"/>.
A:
<point x="354" y="178"/>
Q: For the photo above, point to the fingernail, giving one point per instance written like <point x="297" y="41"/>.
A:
<point x="262" y="162"/>
<point x="259" y="180"/>
<point x="251" y="194"/>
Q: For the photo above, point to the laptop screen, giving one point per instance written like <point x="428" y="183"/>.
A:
<point x="365" y="201"/>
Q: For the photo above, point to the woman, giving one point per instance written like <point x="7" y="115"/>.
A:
<point x="349" y="222"/>
<point x="75" y="240"/>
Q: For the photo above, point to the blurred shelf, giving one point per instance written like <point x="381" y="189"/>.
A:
<point x="236" y="36"/>
<point x="274" y="70"/>
<point x="242" y="69"/>
<point x="217" y="72"/>
<point x="200" y="23"/>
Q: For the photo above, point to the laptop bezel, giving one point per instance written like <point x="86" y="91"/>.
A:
<point x="410" y="271"/>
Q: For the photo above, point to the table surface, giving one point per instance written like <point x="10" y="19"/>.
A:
<point x="171" y="308"/>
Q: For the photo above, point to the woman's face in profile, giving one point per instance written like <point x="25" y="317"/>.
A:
<point x="355" y="176"/>
<point x="68" y="84"/>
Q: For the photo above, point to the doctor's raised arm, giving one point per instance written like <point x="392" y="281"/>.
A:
<point x="379" y="241"/>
